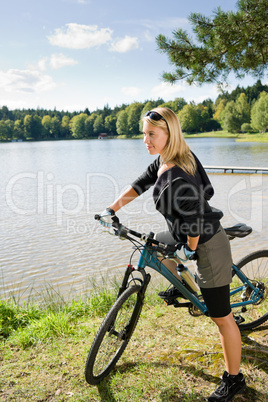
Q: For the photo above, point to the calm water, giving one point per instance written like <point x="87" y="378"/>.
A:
<point x="51" y="190"/>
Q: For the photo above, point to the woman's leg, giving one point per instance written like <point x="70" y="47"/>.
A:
<point x="166" y="237"/>
<point x="218" y="304"/>
<point x="231" y="342"/>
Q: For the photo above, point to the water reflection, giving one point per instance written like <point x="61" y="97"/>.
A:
<point x="51" y="191"/>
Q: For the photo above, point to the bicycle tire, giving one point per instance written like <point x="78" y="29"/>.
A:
<point x="111" y="340"/>
<point x="255" y="267"/>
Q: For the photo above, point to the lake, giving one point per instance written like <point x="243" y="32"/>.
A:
<point x="51" y="190"/>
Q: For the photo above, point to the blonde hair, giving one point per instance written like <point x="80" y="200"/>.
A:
<point x="176" y="150"/>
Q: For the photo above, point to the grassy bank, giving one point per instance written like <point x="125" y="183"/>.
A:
<point x="212" y="134"/>
<point x="172" y="356"/>
<point x="256" y="137"/>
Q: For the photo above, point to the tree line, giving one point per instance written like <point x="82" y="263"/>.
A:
<point x="242" y="110"/>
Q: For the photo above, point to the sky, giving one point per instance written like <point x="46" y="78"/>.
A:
<point x="77" y="54"/>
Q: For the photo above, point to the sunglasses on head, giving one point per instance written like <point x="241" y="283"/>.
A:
<point x="154" y="116"/>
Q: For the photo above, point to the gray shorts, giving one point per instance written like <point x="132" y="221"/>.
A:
<point x="214" y="259"/>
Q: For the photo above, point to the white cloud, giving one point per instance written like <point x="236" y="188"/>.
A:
<point x="206" y="92"/>
<point x="41" y="65"/>
<point x="17" y="102"/>
<point x="59" y="60"/>
<point x="76" y="36"/>
<point x="125" y="44"/>
<point x="131" y="91"/>
<point x="27" y="81"/>
<point x="165" y="90"/>
<point x="164" y="23"/>
<point x="148" y="36"/>
<point x="55" y="61"/>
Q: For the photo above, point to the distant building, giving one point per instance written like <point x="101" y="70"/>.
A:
<point x="102" y="136"/>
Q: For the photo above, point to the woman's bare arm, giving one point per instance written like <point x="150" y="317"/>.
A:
<point x="126" y="197"/>
<point x="192" y="242"/>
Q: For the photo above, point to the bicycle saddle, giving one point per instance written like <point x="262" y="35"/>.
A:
<point x="238" y="230"/>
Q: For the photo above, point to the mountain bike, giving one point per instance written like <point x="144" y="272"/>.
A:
<point x="248" y="294"/>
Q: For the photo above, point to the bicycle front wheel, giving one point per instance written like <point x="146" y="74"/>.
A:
<point x="255" y="268"/>
<point x="113" y="335"/>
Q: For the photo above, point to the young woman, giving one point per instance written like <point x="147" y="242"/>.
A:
<point x="181" y="193"/>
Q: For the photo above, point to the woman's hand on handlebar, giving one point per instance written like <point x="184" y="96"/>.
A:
<point x="107" y="218"/>
<point x="184" y="252"/>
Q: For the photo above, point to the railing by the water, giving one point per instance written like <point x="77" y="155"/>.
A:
<point x="238" y="169"/>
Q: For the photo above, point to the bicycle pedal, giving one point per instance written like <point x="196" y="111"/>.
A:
<point x="238" y="319"/>
<point x="170" y="302"/>
<point x="176" y="303"/>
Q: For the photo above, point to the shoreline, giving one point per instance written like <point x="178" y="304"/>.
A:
<point x="255" y="137"/>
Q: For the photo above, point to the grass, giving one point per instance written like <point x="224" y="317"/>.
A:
<point x="247" y="137"/>
<point x="212" y="134"/>
<point x="256" y="137"/>
<point x="171" y="357"/>
<point x="253" y="137"/>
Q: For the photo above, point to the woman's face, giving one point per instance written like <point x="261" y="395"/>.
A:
<point x="155" y="138"/>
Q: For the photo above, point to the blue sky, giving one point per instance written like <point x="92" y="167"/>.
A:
<point x="73" y="54"/>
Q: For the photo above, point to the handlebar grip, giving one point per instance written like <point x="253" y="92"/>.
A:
<point x="97" y="217"/>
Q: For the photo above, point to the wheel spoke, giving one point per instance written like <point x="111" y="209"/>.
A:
<point x="255" y="268"/>
<point x="113" y="336"/>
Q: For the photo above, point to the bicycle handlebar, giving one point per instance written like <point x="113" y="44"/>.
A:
<point x="124" y="232"/>
<point x="239" y="230"/>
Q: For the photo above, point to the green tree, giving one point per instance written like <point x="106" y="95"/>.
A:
<point x="89" y="125"/>
<point x="10" y="128"/>
<point x="18" y="130"/>
<point x="46" y="123"/>
<point x="227" y="42"/>
<point x="208" y="103"/>
<point x="176" y="105"/>
<point x="134" y="113"/>
<point x="231" y="120"/>
<point x="259" y="113"/>
<point x="219" y="109"/>
<point x="55" y="127"/>
<point x="236" y="113"/>
<point x="5" y="114"/>
<point x="205" y="122"/>
<point x="3" y="131"/>
<point x="33" y="126"/>
<point x="98" y="126"/>
<point x="243" y="109"/>
<point x="189" y="118"/>
<point x="246" y="128"/>
<point x="37" y="127"/>
<point x="204" y="117"/>
<point x="110" y="124"/>
<point x="77" y="126"/>
<point x="122" y="123"/>
<point x="148" y="106"/>
<point x="253" y="92"/>
<point x="65" y="127"/>
<point x="27" y="122"/>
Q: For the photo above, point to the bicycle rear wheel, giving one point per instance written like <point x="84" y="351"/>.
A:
<point x="113" y="335"/>
<point x="255" y="268"/>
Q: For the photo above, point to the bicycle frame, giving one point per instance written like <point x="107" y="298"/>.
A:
<point x="150" y="259"/>
<point x="256" y="296"/>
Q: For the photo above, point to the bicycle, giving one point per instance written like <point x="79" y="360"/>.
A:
<point x="248" y="293"/>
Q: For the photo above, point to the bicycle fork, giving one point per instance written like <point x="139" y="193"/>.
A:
<point x="140" y="298"/>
